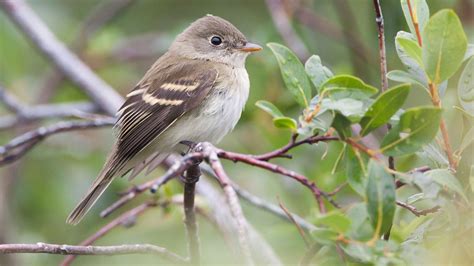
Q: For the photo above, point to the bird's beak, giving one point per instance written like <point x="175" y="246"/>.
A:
<point x="250" y="47"/>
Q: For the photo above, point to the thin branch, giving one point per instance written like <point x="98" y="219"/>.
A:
<point x="292" y="219"/>
<point x="192" y="176"/>
<point x="416" y="25"/>
<point x="10" y="101"/>
<point x="39" y="34"/>
<point x="123" y="219"/>
<point x="232" y="201"/>
<point x="91" y="250"/>
<point x="17" y="147"/>
<point x="283" y="25"/>
<point x="417" y="212"/>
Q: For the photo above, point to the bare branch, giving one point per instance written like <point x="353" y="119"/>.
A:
<point x="292" y="219"/>
<point x="417" y="212"/>
<point x="17" y="147"/>
<point x="91" y="250"/>
<point x="39" y="34"/>
<point x="192" y="176"/>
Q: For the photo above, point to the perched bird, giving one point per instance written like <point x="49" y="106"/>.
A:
<point x="195" y="92"/>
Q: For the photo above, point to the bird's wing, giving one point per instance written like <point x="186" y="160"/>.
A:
<point x="155" y="104"/>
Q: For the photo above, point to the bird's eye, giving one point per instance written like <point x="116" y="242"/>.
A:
<point x="216" y="40"/>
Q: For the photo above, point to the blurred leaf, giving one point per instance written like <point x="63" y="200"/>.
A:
<point x="429" y="188"/>
<point x="411" y="48"/>
<point x="355" y="171"/>
<point x="269" y="108"/>
<point x="434" y="152"/>
<point x="348" y="107"/>
<point x="325" y="236"/>
<point x="417" y="127"/>
<point x="419" y="9"/>
<point x="415" y="197"/>
<point x="380" y="193"/>
<point x="466" y="87"/>
<point x="384" y="107"/>
<point x="446" y="179"/>
<point x="467" y="140"/>
<point x="469" y="52"/>
<point x="359" y="251"/>
<point x="361" y="228"/>
<point x="444" y="45"/>
<point x="285" y="122"/>
<point x="320" y="123"/>
<point x="346" y="86"/>
<point x="405" y="77"/>
<point x="317" y="72"/>
<point x="342" y="126"/>
<point x="293" y="73"/>
<point x="335" y="220"/>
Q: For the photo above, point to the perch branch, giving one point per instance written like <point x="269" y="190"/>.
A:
<point x="417" y="212"/>
<point x="190" y="179"/>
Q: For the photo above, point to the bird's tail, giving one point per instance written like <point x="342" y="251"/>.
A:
<point x="102" y="181"/>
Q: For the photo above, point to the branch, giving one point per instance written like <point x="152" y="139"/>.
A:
<point x="67" y="62"/>
<point x="283" y="25"/>
<point x="192" y="176"/>
<point x="91" y="250"/>
<point x="417" y="212"/>
<point x="17" y="147"/>
<point x="123" y="219"/>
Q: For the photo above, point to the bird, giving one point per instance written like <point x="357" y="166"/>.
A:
<point x="195" y="92"/>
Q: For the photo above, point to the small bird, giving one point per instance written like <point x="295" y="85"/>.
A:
<point x="195" y="92"/>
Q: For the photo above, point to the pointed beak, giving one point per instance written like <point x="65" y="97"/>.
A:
<point x="250" y="47"/>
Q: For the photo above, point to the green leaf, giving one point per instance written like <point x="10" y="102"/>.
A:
<point x="348" y="107"/>
<point x="420" y="9"/>
<point x="380" y="193"/>
<point x="335" y="220"/>
<point x="355" y="171"/>
<point x="466" y="87"/>
<point x="325" y="236"/>
<point x="285" y="122"/>
<point x="403" y="76"/>
<point x="417" y="127"/>
<point x="316" y="71"/>
<point x="384" y="107"/>
<point x="358" y="251"/>
<point x="466" y="140"/>
<point x="361" y="228"/>
<point x="293" y="73"/>
<point x="444" y="45"/>
<point x="446" y="179"/>
<point x="342" y="126"/>
<point x="269" y="108"/>
<point x="411" y="48"/>
<point x="346" y="86"/>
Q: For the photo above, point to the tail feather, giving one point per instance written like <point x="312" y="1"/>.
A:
<point x="102" y="181"/>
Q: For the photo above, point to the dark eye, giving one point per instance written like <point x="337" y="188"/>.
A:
<point x="216" y="40"/>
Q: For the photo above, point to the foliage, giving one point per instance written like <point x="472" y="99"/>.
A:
<point x="341" y="102"/>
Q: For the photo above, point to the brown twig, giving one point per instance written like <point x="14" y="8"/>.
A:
<point x="292" y="219"/>
<point x="71" y="66"/>
<point x="192" y="176"/>
<point x="417" y="212"/>
<point x="91" y="250"/>
<point x="123" y="219"/>
<point x="416" y="25"/>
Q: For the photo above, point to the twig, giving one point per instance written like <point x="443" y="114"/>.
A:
<point x="123" y="219"/>
<point x="10" y="101"/>
<point x="91" y="250"/>
<point x="292" y="219"/>
<point x="417" y="212"/>
<point x="416" y="25"/>
<point x="23" y="143"/>
<point x="283" y="25"/>
<point x="232" y="200"/>
<point x="192" y="176"/>
<point x="39" y="34"/>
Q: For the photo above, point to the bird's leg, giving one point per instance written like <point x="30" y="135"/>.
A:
<point x="191" y="145"/>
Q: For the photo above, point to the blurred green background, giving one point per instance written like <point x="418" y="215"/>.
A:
<point x="38" y="191"/>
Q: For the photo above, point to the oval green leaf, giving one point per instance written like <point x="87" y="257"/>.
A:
<point x="317" y="72"/>
<point x="411" y="48"/>
<point x="380" y="194"/>
<point x="444" y="45"/>
<point x="347" y="86"/>
<point x="285" y="122"/>
<point x="269" y="108"/>
<point x="384" y="107"/>
<point x="417" y="127"/>
<point x="335" y="220"/>
<point x="293" y="73"/>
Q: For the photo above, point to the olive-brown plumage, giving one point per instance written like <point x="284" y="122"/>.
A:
<point x="194" y="92"/>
